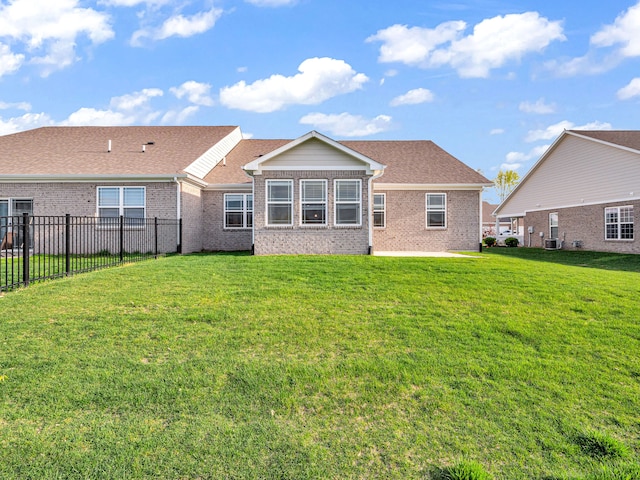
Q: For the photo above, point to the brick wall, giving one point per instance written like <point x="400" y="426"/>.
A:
<point x="584" y="224"/>
<point x="406" y="222"/>
<point x="215" y="236"/>
<point x="299" y="239"/>
<point x="191" y="210"/>
<point x="80" y="199"/>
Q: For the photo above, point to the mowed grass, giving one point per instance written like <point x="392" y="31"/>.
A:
<point x="523" y="364"/>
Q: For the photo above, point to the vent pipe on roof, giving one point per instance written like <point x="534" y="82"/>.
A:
<point x="143" y="148"/>
<point x="109" y="149"/>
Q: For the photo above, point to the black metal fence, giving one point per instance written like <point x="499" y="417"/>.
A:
<point x="35" y="248"/>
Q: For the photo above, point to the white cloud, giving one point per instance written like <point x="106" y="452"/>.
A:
<point x="24" y="106"/>
<point x="623" y="32"/>
<point x="179" y="26"/>
<point x="319" y="79"/>
<point x="493" y="43"/>
<point x="135" y="100"/>
<point x="9" y="62"/>
<point x="631" y="90"/>
<point x="553" y="131"/>
<point x="25" y="122"/>
<point x="91" y="116"/>
<point x="197" y="93"/>
<point x="497" y="131"/>
<point x="516" y="160"/>
<point x="272" y="3"/>
<point x="539" y="107"/>
<point x="347" y="125"/>
<point x="134" y="3"/>
<point x="178" y="117"/>
<point x="50" y="31"/>
<point x="413" y="97"/>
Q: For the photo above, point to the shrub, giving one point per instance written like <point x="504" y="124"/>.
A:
<point x="489" y="241"/>
<point x="465" y="471"/>
<point x="511" y="242"/>
<point x="600" y="445"/>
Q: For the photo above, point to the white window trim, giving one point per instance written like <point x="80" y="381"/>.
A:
<point x="245" y="210"/>
<point x="557" y="225"/>
<point x="384" y="210"/>
<point x="10" y="201"/>
<point x="619" y="223"/>
<point x="336" y="202"/>
<point x="325" y="202"/>
<point x="426" y="211"/>
<point x="267" y="202"/>
<point x="121" y="207"/>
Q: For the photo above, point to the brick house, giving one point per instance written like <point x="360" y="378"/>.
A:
<point x="308" y="195"/>
<point x="581" y="194"/>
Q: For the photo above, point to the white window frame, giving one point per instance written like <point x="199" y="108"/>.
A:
<point x="322" y="203"/>
<point x="429" y="209"/>
<point x="268" y="202"/>
<point x="121" y="207"/>
<point x="337" y="202"/>
<point x="377" y="209"/>
<point x="244" y="211"/>
<point x="554" y="223"/>
<point x="619" y="222"/>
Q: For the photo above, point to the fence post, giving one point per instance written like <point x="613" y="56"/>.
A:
<point x="155" y="233"/>
<point x="121" y="238"/>
<point x="67" y="244"/>
<point x="25" y="248"/>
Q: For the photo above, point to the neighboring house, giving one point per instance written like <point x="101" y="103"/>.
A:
<point x="309" y="195"/>
<point x="491" y="225"/>
<point x="581" y="194"/>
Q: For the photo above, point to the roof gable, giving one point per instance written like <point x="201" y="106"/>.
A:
<point x="313" y="151"/>
<point x="579" y="168"/>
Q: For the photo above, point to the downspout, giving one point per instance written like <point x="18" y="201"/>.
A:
<point x="178" y="208"/>
<point x="370" y="213"/>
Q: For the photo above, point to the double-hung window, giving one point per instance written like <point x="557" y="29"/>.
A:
<point x="238" y="210"/>
<point x="379" y="210"/>
<point x="553" y="225"/>
<point x="618" y="223"/>
<point x="313" y="202"/>
<point x="279" y="202"/>
<point x="126" y="201"/>
<point x="436" y="210"/>
<point x="348" y="202"/>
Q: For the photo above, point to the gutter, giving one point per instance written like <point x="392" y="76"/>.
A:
<point x="120" y="178"/>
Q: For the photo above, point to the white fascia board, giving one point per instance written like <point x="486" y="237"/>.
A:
<point x="430" y="186"/>
<point x="576" y="133"/>
<point x="289" y="168"/>
<point x="255" y="167"/>
<point x="38" y="178"/>
<point x="230" y="187"/>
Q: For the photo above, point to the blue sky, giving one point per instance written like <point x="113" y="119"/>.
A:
<point x="492" y="82"/>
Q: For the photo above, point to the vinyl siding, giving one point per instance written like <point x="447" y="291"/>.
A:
<point x="314" y="154"/>
<point x="577" y="172"/>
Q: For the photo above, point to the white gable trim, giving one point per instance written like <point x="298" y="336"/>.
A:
<point x="205" y="163"/>
<point x="371" y="166"/>
<point x="602" y="142"/>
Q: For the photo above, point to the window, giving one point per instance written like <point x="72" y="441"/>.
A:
<point x="618" y="223"/>
<point x="313" y="202"/>
<point x="126" y="201"/>
<point x="347" y="202"/>
<point x="553" y="225"/>
<point x="238" y="210"/>
<point x="279" y="202"/>
<point x="10" y="208"/>
<point x="436" y="210"/>
<point x="379" y="210"/>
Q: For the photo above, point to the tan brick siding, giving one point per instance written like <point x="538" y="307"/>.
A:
<point x="305" y="239"/>
<point x="584" y="224"/>
<point x="191" y="207"/>
<point x="406" y="222"/>
<point x="215" y="236"/>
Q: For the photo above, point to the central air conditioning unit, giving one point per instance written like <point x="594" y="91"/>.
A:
<point x="552" y="243"/>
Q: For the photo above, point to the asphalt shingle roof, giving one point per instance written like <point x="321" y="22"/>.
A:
<point x="624" y="138"/>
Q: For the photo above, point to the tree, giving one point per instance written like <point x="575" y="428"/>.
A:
<point x="505" y="182"/>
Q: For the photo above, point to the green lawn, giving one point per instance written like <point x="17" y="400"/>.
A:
<point x="524" y="363"/>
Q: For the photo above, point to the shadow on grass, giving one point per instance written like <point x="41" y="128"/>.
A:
<point x="577" y="258"/>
